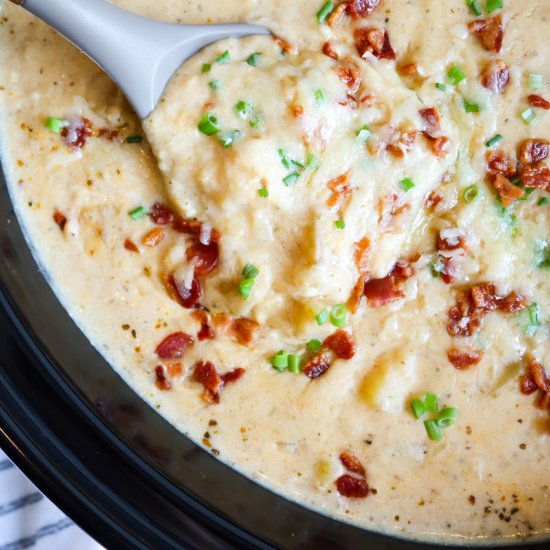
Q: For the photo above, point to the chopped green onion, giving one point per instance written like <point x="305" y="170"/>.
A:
<point x="214" y="85"/>
<point x="256" y="119"/>
<point x="134" y="139"/>
<point x="470" y="194"/>
<point x="493" y="5"/>
<point x="418" y="407"/>
<point x="441" y="87"/>
<point x="431" y="401"/>
<point x="263" y="192"/>
<point x="285" y="161"/>
<point x="320" y="96"/>
<point x="312" y="161"/>
<point x="325" y="11"/>
<point x="434" y="433"/>
<point x="253" y="59"/>
<point x="533" y="312"/>
<point x="474" y="6"/>
<point x="206" y="68"/>
<point x="447" y="417"/>
<point x="209" y="124"/>
<point x="297" y="164"/>
<point x="295" y="363"/>
<point x="228" y="138"/>
<point x="338" y="315"/>
<point x="322" y="317"/>
<point x="529" y="116"/>
<point x="250" y="271"/>
<point x="138" y="213"/>
<point x="455" y="75"/>
<point x="55" y="125"/>
<point x="225" y="57"/>
<point x="340" y="224"/>
<point x="543" y="201"/>
<point x="245" y="288"/>
<point x="243" y="108"/>
<point x="535" y="81"/>
<point x="363" y="134"/>
<point x="280" y="360"/>
<point x="470" y="107"/>
<point x="494" y="140"/>
<point x="406" y="184"/>
<point x="291" y="179"/>
<point x="314" y="345"/>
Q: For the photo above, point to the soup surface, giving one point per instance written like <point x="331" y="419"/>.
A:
<point x="335" y="277"/>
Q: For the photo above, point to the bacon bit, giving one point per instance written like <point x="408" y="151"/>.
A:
<point x="498" y="162"/>
<point x="485" y="296"/>
<point x="175" y="370"/>
<point x="195" y="228"/>
<point x="328" y="50"/>
<point x="221" y="321"/>
<point x="536" y="176"/>
<point x="538" y="373"/>
<point x="352" y="487"/>
<point x="406" y="139"/>
<point x="129" y="245"/>
<point x="60" y="219"/>
<point x="361" y="8"/>
<point x="410" y="70"/>
<point x="351" y="463"/>
<point x="432" y="201"/>
<point x="375" y="41"/>
<point x="489" y="31"/>
<point x="174" y="346"/>
<point x="512" y="303"/>
<point x="296" y="110"/>
<point x="451" y="239"/>
<point x="432" y="120"/>
<point x="544" y="402"/>
<point x="449" y="269"/>
<point x="402" y="270"/>
<point x="380" y="292"/>
<point x="527" y="385"/>
<point x="361" y="254"/>
<point x="186" y="297"/>
<point x="207" y="374"/>
<point x="339" y="187"/>
<point x="244" y="330"/>
<point x="496" y="76"/>
<point x="316" y="366"/>
<point x="534" y="150"/>
<point x="341" y="344"/>
<point x="367" y="101"/>
<point x="161" y="378"/>
<point x="350" y="77"/>
<point x="538" y="101"/>
<point x="285" y="46"/>
<point x="232" y="376"/>
<point x="507" y="191"/>
<point x="153" y="237"/>
<point x="205" y="332"/>
<point x="463" y="359"/>
<point x="440" y="146"/>
<point x="356" y="294"/>
<point x="206" y="257"/>
<point x="77" y="132"/>
<point x="161" y="214"/>
<point x="464" y="318"/>
<point x="108" y="133"/>
<point x="334" y="18"/>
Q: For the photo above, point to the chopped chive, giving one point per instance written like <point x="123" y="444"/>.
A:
<point x="208" y="124"/>
<point x="406" y="184"/>
<point x="256" y="119"/>
<point x="338" y="315"/>
<point x="535" y="81"/>
<point x="138" y="213"/>
<point x="320" y="96"/>
<point x="297" y="164"/>
<point x="280" y="360"/>
<point x="55" y="125"/>
<point x="245" y="288"/>
<point x="322" y="317"/>
<point x="471" y="107"/>
<point x="314" y="345"/>
<point x="295" y="364"/>
<point x="340" y="224"/>
<point x="214" y="85"/>
<point x="447" y="417"/>
<point x="206" y="68"/>
<point x="312" y="161"/>
<point x="243" y="108"/>
<point x="493" y="5"/>
<point x="263" y="192"/>
<point x="225" y="57"/>
<point x="529" y="116"/>
<point x="431" y="401"/>
<point x="134" y="139"/>
<point x="250" y="271"/>
<point x="227" y="139"/>
<point x="291" y="179"/>
<point x="494" y="140"/>
<point x="474" y="6"/>
<point x="470" y="194"/>
<point x="418" y="407"/>
<point x="533" y="313"/>
<point x="441" y="87"/>
<point x="434" y="433"/>
<point x="253" y="59"/>
<point x="455" y="75"/>
<point x="543" y="201"/>
<point x="325" y="11"/>
<point x="285" y="161"/>
<point x="363" y="134"/>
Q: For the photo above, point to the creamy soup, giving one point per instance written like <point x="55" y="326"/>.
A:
<point x="325" y="255"/>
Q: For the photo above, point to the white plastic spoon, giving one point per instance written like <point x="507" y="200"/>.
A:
<point x="139" y="54"/>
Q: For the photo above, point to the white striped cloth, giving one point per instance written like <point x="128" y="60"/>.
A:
<point x="29" y="520"/>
